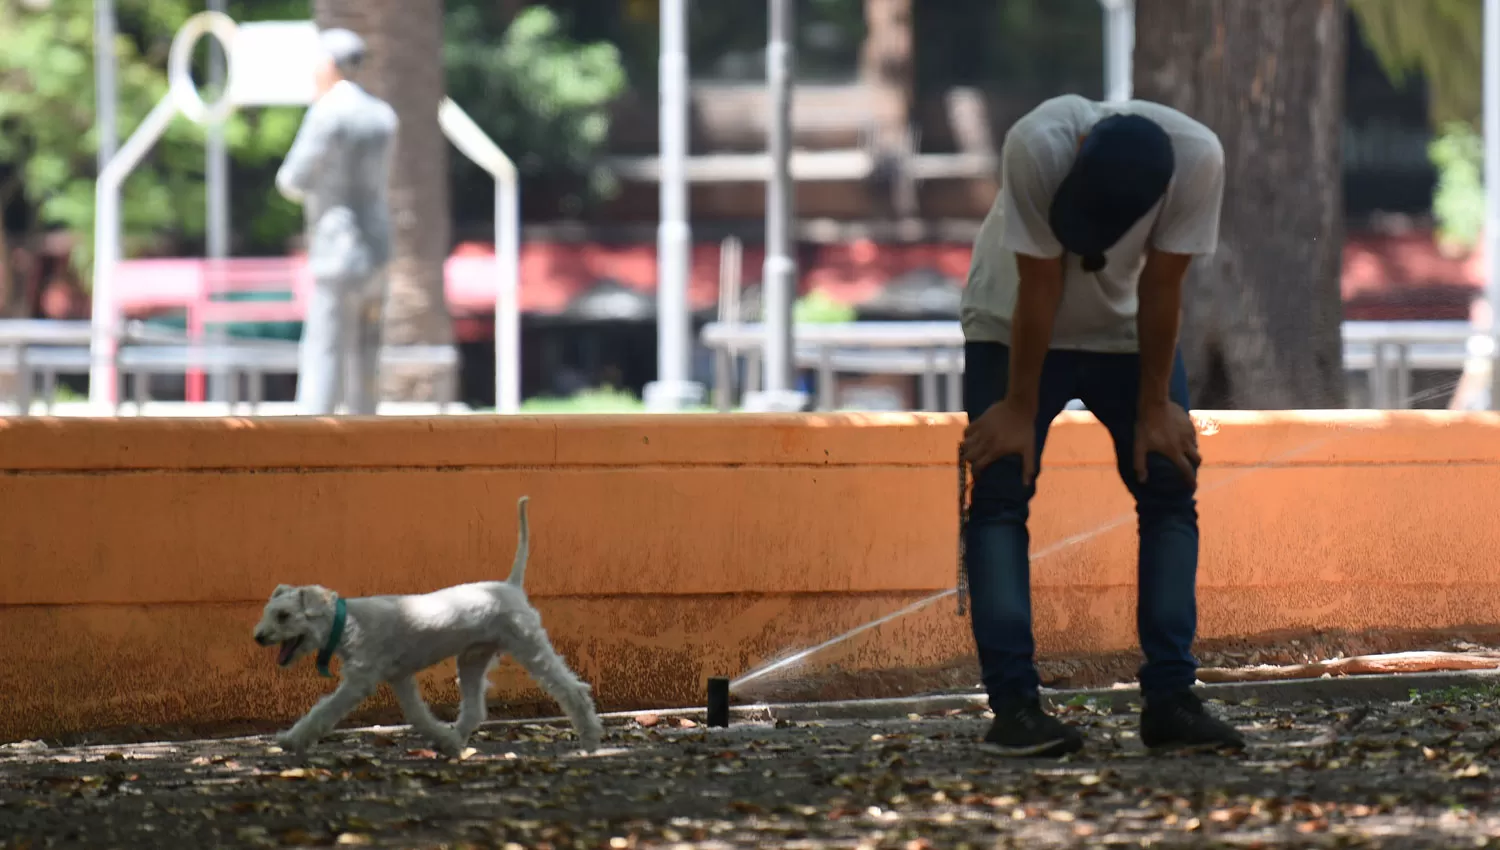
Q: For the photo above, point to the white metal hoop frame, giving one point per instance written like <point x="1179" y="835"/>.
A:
<point x="182" y="96"/>
<point x="180" y="71"/>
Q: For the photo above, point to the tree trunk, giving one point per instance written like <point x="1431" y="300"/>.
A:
<point x="1261" y="325"/>
<point x="404" y="39"/>
<point x="886" y="68"/>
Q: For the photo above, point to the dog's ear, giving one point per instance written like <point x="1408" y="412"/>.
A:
<point x="281" y="590"/>
<point x="313" y="597"/>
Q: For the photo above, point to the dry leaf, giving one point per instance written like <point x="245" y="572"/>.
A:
<point x="297" y="837"/>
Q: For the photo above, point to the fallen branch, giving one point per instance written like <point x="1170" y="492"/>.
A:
<point x="1361" y="665"/>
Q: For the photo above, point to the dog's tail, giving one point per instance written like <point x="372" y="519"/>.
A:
<point x="523" y="546"/>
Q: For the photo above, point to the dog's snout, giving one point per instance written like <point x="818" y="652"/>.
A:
<point x="261" y="638"/>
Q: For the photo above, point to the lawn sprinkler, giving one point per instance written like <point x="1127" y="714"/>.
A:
<point x="718" y="702"/>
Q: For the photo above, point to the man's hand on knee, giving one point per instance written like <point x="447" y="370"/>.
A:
<point x="1003" y="430"/>
<point x="1166" y="429"/>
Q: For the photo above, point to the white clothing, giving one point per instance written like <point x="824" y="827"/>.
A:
<point x="1098" y="309"/>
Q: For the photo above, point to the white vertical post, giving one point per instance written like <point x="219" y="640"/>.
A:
<point x="508" y="304"/>
<point x="1492" y="187"/>
<point x="216" y="176"/>
<point x="778" y="391"/>
<point x="1119" y="48"/>
<point x="672" y="388"/>
<point x="107" y="229"/>
<point x="218" y="154"/>
<point x="779" y="278"/>
<point x="105" y="97"/>
<point x="471" y="140"/>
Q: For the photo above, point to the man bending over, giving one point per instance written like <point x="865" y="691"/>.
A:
<point x="1075" y="291"/>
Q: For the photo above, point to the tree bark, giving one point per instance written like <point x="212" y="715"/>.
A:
<point x="887" y="69"/>
<point x="404" y="40"/>
<point x="1262" y="318"/>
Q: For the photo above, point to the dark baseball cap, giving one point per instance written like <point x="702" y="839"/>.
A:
<point x="1122" y="169"/>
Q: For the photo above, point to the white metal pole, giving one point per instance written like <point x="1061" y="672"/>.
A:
<point x="107" y="229"/>
<point x="217" y="179"/>
<point x="508" y="305"/>
<point x="218" y="155"/>
<point x="105" y="96"/>
<point x="671" y="389"/>
<point x="1492" y="187"/>
<point x="472" y="141"/>
<point x="1119" y="48"/>
<point x="779" y="278"/>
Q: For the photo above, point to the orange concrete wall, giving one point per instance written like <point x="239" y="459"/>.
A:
<point x="667" y="549"/>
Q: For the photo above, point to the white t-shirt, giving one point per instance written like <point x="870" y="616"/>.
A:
<point x="1098" y="309"/>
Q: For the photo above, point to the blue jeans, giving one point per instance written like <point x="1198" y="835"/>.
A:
<point x="998" y="545"/>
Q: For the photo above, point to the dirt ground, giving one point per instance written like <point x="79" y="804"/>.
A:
<point x="1407" y="775"/>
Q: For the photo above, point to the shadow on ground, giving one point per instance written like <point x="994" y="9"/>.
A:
<point x="1407" y="775"/>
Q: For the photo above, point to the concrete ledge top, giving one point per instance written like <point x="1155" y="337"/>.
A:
<point x="1235" y="438"/>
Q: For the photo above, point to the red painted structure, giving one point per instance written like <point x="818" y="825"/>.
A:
<point x="1385" y="277"/>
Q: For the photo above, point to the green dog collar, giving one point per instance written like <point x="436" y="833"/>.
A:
<point x="336" y="634"/>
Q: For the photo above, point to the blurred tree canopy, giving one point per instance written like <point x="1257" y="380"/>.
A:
<point x="542" y="95"/>
<point x="1443" y="40"/>
<point x="48" y="142"/>
<point x="1458" y="201"/>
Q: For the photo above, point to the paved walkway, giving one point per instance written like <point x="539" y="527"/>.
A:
<point x="1397" y="775"/>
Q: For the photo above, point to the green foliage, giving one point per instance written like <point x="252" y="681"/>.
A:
<point x="819" y="308"/>
<point x="1458" y="202"/>
<point x="1480" y="694"/>
<point x="541" y="96"/>
<point x="1443" y="40"/>
<point x="544" y="97"/>
<point x="48" y="142"/>
<point x="598" y="400"/>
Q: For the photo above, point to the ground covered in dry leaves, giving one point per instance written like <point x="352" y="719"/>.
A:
<point x="1406" y="775"/>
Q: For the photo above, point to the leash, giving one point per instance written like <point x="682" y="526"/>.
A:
<point x="963" y="527"/>
<point x="336" y="634"/>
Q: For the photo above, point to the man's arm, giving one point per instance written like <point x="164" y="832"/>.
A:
<point x="310" y="150"/>
<point x="1026" y="194"/>
<point x="1037" y="296"/>
<point x="1158" y="321"/>
<point x="1189" y="227"/>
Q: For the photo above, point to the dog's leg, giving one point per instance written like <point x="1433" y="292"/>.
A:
<point x="321" y="718"/>
<point x="473" y="684"/>
<point x="534" y="651"/>
<point x="422" y="719"/>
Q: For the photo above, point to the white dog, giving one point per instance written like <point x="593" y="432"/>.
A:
<point x="391" y="638"/>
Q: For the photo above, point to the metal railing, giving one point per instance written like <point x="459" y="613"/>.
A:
<point x="1387" y="352"/>
<point x="44" y="348"/>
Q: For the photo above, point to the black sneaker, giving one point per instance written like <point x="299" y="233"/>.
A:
<point x="1022" y="729"/>
<point x="1179" y="721"/>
